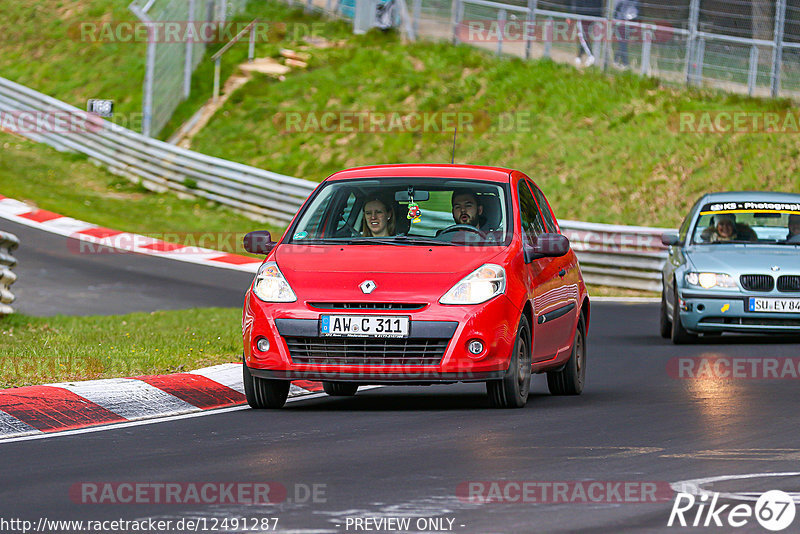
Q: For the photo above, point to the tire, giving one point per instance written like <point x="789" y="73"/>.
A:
<point x="263" y="393"/>
<point x="340" y="389"/>
<point x="570" y="379"/>
<point x="679" y="335"/>
<point x="512" y="390"/>
<point x="665" y="325"/>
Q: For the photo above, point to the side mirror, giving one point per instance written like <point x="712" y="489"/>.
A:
<point x="258" y="242"/>
<point x="546" y="246"/>
<point x="671" y="238"/>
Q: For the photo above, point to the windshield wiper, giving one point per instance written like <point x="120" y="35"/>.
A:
<point x="414" y="239"/>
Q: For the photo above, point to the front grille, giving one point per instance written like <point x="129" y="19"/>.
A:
<point x="365" y="306"/>
<point x="751" y="321"/>
<point x="757" y="282"/>
<point x="366" y="351"/>
<point x="789" y="283"/>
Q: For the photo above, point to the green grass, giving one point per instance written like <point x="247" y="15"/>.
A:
<point x="38" y="350"/>
<point x="70" y="185"/>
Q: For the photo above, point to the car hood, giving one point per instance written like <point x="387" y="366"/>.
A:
<point x="744" y="259"/>
<point x="333" y="273"/>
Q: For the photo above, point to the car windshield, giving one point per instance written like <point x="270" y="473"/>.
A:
<point x="748" y="222"/>
<point x="406" y="212"/>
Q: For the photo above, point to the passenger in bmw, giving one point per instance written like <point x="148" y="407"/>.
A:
<point x="725" y="229"/>
<point x="794" y="230"/>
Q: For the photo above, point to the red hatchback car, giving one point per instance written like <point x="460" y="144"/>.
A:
<point x="417" y="274"/>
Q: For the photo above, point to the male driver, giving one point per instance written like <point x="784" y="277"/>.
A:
<point x="794" y="229"/>
<point x="466" y="209"/>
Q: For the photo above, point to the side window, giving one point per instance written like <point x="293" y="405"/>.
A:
<point x="532" y="224"/>
<point x="348" y="217"/>
<point x="550" y="223"/>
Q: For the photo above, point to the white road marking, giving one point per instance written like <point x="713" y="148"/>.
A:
<point x="227" y="374"/>
<point x="129" y="398"/>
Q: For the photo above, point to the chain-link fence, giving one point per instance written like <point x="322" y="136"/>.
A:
<point x="178" y="33"/>
<point x="746" y="46"/>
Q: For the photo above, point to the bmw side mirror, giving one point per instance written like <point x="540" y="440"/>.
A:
<point x="547" y="246"/>
<point x="258" y="242"/>
<point x="671" y="238"/>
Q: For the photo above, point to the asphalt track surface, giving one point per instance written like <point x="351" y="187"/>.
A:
<point x="399" y="452"/>
<point x="54" y="279"/>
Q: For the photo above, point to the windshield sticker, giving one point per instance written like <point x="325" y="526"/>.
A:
<point x="750" y="206"/>
<point x="414" y="213"/>
<point x="301" y="235"/>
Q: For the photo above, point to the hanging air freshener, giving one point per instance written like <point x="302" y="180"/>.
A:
<point x="414" y="213"/>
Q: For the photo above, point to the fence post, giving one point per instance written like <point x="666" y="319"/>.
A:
<point x="455" y="19"/>
<point x="699" y="60"/>
<point x="605" y="47"/>
<point x="648" y="31"/>
<point x="415" y="17"/>
<point x="694" y="15"/>
<point x="217" y="73"/>
<point x="547" y="32"/>
<point x="251" y="50"/>
<point x="501" y="27"/>
<point x="752" y="74"/>
<point x="777" y="50"/>
<point x="187" y="63"/>
<point x="530" y="25"/>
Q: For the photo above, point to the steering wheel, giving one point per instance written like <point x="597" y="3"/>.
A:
<point x="461" y="228"/>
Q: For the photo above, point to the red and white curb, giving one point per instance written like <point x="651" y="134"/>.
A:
<point x="34" y="410"/>
<point x="98" y="239"/>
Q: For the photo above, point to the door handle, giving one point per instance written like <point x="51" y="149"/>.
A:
<point x="562" y="273"/>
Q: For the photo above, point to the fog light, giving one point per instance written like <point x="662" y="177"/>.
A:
<point x="475" y="346"/>
<point x="262" y="344"/>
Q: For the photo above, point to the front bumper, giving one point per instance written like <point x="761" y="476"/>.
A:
<point x="435" y="350"/>
<point x="718" y="312"/>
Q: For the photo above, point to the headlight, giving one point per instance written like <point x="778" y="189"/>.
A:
<point x="709" y="280"/>
<point x="479" y="286"/>
<point x="270" y="285"/>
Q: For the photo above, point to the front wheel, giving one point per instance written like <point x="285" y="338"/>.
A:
<point x="512" y="390"/>
<point x="264" y="393"/>
<point x="570" y="379"/>
<point x="665" y="325"/>
<point x="679" y="335"/>
<point x="340" y="389"/>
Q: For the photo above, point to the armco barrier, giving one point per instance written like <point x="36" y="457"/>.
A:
<point x="620" y="256"/>
<point x="8" y="242"/>
<point x="159" y="165"/>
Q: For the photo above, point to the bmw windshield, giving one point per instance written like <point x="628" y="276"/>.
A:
<point x="748" y="222"/>
<point x="406" y="211"/>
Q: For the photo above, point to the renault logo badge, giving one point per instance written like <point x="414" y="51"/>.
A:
<point x="367" y="286"/>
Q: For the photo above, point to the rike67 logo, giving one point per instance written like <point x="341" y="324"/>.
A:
<point x="774" y="510"/>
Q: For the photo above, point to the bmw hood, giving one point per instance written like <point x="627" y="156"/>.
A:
<point x="744" y="259"/>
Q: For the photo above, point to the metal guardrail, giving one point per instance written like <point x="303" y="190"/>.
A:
<point x="8" y="242"/>
<point x="618" y="256"/>
<point x="158" y="165"/>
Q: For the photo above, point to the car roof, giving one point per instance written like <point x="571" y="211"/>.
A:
<point x="469" y="172"/>
<point x="751" y="196"/>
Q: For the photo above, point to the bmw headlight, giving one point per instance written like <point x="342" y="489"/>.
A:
<point x="270" y="285"/>
<point x="479" y="286"/>
<point x="709" y="280"/>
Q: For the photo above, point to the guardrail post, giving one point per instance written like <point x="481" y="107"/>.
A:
<point x="8" y="242"/>
<point x="530" y="25"/>
<point x="694" y="15"/>
<point x="752" y="74"/>
<point x="501" y="28"/>
<point x="777" y="50"/>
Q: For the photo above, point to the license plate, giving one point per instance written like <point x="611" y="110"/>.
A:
<point x="363" y="326"/>
<point x="774" y="305"/>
